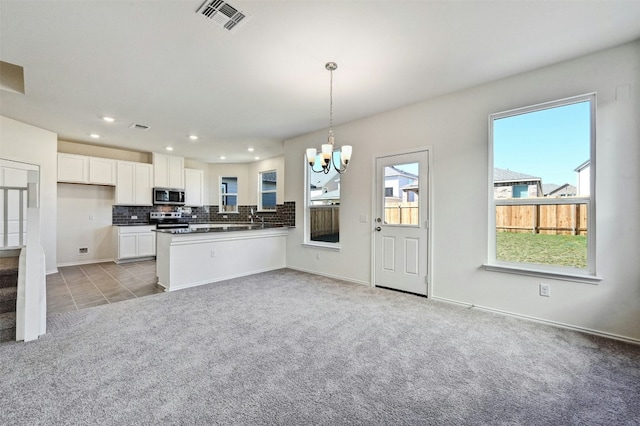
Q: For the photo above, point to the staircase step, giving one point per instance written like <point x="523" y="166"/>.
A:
<point x="8" y="298"/>
<point x="7" y="326"/>
<point x="8" y="272"/>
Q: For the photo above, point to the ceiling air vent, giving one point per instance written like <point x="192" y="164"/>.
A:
<point x="223" y="14"/>
<point x="139" y="126"/>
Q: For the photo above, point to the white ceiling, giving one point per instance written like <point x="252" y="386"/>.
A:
<point x="160" y="64"/>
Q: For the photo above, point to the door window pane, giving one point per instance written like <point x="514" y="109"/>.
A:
<point x="402" y="190"/>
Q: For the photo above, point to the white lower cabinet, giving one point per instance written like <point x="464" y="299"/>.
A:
<point x="134" y="241"/>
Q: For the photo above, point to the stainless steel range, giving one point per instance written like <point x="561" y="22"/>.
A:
<point x="168" y="220"/>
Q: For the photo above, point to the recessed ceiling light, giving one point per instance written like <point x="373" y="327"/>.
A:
<point x="193" y="137"/>
<point x="94" y="135"/>
<point x="251" y="149"/>
<point x="222" y="157"/>
<point x="169" y="148"/>
<point x="256" y="158"/>
<point x="109" y="119"/>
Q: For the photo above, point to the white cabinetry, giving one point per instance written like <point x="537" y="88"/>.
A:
<point x="134" y="184"/>
<point x="74" y="168"/>
<point x="194" y="181"/>
<point x="168" y="171"/>
<point x="134" y="241"/>
<point x="102" y="171"/>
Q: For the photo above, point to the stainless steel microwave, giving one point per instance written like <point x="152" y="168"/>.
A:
<point x="169" y="196"/>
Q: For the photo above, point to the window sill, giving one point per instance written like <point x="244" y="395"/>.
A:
<point x="556" y="275"/>
<point x="325" y="246"/>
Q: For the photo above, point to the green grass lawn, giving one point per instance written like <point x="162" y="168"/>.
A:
<point x="561" y="250"/>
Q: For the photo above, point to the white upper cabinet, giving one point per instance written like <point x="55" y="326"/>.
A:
<point x="74" y="168"/>
<point x="102" y="171"/>
<point x="194" y="182"/>
<point x="168" y="171"/>
<point x="134" y="184"/>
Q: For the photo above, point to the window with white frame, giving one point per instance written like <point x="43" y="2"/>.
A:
<point x="534" y="152"/>
<point x="322" y="207"/>
<point x="267" y="190"/>
<point x="228" y="194"/>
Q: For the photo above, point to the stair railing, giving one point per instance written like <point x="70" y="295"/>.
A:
<point x="31" y="306"/>
<point x="7" y="222"/>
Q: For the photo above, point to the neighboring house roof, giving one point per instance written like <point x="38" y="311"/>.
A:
<point x="582" y="166"/>
<point x="548" y="188"/>
<point x="393" y="171"/>
<point x="551" y="189"/>
<point x="320" y="180"/>
<point x="411" y="188"/>
<point x="506" y="175"/>
<point x="329" y="195"/>
<point x="269" y="176"/>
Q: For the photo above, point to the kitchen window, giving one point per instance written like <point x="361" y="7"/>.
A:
<point x="228" y="195"/>
<point x="267" y="190"/>
<point x="542" y="189"/>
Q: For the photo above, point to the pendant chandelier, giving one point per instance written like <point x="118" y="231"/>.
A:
<point x="327" y="157"/>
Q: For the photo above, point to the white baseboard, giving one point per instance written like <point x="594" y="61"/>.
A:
<point x="542" y="321"/>
<point x="83" y="262"/>
<point x="337" y="277"/>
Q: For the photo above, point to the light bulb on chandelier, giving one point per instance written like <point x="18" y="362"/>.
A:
<point x="327" y="157"/>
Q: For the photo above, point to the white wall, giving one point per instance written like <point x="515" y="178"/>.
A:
<point x="22" y="142"/>
<point x="455" y="127"/>
<point x="84" y="220"/>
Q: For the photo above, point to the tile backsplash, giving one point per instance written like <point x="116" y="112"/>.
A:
<point x="285" y="214"/>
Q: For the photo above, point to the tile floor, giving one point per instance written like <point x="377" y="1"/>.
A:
<point x="83" y="286"/>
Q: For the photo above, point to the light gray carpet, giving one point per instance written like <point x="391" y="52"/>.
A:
<point x="286" y="347"/>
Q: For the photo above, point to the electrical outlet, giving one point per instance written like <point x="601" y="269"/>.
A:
<point x="545" y="290"/>
<point x="134" y="217"/>
<point x="318" y="256"/>
<point x="83" y="250"/>
<point x="213" y="253"/>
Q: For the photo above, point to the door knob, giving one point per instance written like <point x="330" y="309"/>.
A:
<point x="378" y="228"/>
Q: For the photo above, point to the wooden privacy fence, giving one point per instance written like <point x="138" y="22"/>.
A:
<point x="324" y="220"/>
<point x="401" y="213"/>
<point x="565" y="219"/>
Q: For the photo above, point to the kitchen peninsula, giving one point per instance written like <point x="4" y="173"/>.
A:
<point x="191" y="257"/>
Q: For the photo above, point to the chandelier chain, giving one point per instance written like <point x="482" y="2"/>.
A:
<point x="329" y="159"/>
<point x="331" y="103"/>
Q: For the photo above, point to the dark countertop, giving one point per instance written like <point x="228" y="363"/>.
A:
<point x="230" y="228"/>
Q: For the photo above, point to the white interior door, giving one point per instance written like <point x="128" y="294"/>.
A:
<point x="401" y="222"/>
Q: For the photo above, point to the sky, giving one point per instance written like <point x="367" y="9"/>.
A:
<point x="549" y="143"/>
